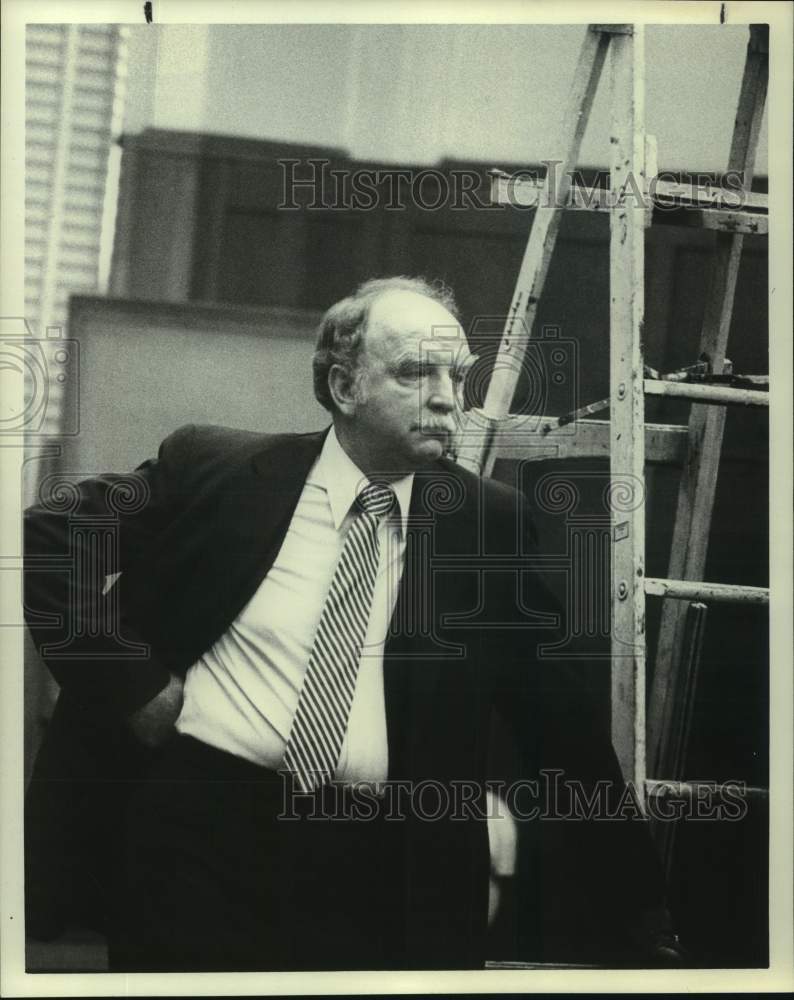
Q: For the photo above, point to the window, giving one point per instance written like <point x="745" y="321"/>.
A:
<point x="74" y="90"/>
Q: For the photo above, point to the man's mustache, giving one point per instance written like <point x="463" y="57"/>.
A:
<point x="447" y="430"/>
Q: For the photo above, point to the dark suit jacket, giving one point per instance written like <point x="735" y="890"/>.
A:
<point x="193" y="533"/>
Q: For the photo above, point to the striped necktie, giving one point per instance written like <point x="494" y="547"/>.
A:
<point x="320" y="721"/>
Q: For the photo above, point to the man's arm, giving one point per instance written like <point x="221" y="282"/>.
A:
<point x="75" y="619"/>
<point x="153" y="722"/>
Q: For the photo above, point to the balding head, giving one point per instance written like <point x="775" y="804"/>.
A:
<point x="396" y="405"/>
<point x="342" y="331"/>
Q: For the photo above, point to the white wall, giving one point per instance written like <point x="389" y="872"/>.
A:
<point x="416" y="93"/>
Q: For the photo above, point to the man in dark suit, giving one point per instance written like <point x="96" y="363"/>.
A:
<point x="287" y="725"/>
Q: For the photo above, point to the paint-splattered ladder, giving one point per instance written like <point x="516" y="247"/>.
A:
<point x="490" y="432"/>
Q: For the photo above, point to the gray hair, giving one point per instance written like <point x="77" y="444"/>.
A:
<point x="340" y="335"/>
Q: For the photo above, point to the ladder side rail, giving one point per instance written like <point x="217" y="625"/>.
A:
<point x="476" y="441"/>
<point x="675" y="741"/>
<point x="627" y="402"/>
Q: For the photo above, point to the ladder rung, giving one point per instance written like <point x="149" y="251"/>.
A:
<point x="537" y="439"/>
<point x="696" y="590"/>
<point x="705" y="196"/>
<point x="540" y="438"/>
<point x="690" y="789"/>
<point x="722" y="220"/>
<point x="667" y="196"/>
<point x="720" y="394"/>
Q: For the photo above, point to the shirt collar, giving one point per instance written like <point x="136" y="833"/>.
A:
<point x="342" y="480"/>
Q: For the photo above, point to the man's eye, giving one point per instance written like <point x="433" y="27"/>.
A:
<point x="413" y="373"/>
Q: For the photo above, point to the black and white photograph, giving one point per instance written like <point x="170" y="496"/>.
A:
<point x="397" y="549"/>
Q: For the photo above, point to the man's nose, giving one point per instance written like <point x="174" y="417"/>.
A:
<point x="442" y="394"/>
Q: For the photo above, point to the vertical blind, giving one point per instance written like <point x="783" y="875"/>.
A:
<point x="73" y="93"/>
<point x="73" y="103"/>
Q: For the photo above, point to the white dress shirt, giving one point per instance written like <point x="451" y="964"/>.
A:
<point x="241" y="695"/>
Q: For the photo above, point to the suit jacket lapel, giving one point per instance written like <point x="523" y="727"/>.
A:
<point x="253" y="509"/>
<point x="257" y="507"/>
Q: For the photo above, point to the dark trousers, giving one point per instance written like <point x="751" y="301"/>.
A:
<point x="226" y="869"/>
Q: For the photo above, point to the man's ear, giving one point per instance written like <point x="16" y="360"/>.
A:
<point x="342" y="386"/>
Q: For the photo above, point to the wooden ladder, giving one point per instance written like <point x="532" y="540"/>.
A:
<point x="491" y="432"/>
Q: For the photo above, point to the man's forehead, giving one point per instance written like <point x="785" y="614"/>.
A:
<point x="407" y="319"/>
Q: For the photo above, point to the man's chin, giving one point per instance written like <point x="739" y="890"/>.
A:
<point x="422" y="452"/>
<point x="430" y="450"/>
